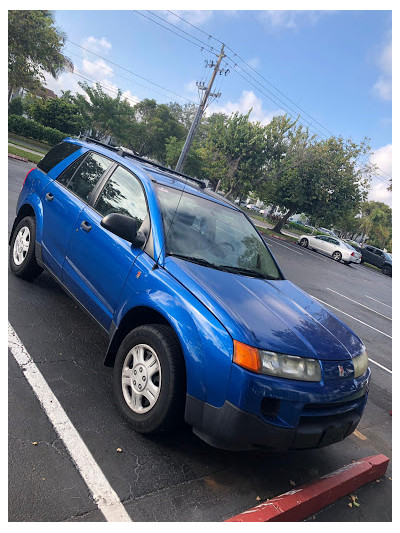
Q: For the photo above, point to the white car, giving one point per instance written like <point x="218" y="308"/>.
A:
<point x="332" y="246"/>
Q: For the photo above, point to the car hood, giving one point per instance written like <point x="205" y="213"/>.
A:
<point x="270" y="315"/>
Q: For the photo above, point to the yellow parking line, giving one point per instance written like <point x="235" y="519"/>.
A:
<point x="359" y="435"/>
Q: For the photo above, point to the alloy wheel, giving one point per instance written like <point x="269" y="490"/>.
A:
<point x="21" y="245"/>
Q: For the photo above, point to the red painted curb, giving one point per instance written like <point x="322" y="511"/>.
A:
<point x="18" y="157"/>
<point x="302" y="502"/>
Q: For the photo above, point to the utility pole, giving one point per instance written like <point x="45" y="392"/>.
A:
<point x="189" y="139"/>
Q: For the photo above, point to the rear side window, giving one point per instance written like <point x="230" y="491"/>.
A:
<point x="56" y="155"/>
<point x="88" y="174"/>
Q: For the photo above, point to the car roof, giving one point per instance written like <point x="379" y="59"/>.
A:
<point x="153" y="171"/>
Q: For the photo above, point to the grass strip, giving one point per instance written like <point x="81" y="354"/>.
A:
<point x="33" y="158"/>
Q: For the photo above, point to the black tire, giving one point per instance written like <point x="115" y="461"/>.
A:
<point x="168" y="410"/>
<point x="304" y="243"/>
<point x="337" y="256"/>
<point x="28" y="268"/>
<point x="387" y="270"/>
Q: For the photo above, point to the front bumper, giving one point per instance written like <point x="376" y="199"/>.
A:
<point x="259" y="415"/>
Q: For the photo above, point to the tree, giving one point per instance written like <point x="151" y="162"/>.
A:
<point x="15" y="107"/>
<point x="376" y="223"/>
<point x="194" y="164"/>
<point x="234" y="153"/>
<point x="154" y="124"/>
<point x="34" y="47"/>
<point x="58" y="113"/>
<point x="104" y="115"/>
<point x="322" y="179"/>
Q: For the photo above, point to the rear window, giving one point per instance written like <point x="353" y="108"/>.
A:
<point x="56" y="155"/>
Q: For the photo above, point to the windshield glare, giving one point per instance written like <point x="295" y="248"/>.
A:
<point x="211" y="234"/>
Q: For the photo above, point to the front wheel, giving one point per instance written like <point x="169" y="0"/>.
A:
<point x="387" y="270"/>
<point x="22" y="250"/>
<point x="149" y="379"/>
<point x="336" y="256"/>
<point x="304" y="243"/>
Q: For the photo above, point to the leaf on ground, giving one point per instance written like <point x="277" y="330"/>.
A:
<point x="353" y="498"/>
<point x="119" y="450"/>
<point x="292" y="483"/>
<point x="35" y="443"/>
<point x="350" y="504"/>
<point x="258" y="498"/>
<point x="356" y="504"/>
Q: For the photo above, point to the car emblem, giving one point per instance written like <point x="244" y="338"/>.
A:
<point x="341" y="371"/>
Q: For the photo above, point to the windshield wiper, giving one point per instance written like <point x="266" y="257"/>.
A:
<point x="224" y="268"/>
<point x="197" y="260"/>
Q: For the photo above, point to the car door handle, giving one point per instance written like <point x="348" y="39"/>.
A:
<point x="86" y="226"/>
<point x="49" y="197"/>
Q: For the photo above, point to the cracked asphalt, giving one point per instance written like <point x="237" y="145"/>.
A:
<point x="174" y="478"/>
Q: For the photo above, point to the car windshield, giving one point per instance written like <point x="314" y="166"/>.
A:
<point x="213" y="235"/>
<point x="349" y="246"/>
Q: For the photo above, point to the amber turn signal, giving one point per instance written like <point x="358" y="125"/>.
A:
<point x="246" y="356"/>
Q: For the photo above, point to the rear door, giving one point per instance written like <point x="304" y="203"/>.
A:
<point x="63" y="200"/>
<point x="97" y="261"/>
<point x="319" y="243"/>
<point x="380" y="258"/>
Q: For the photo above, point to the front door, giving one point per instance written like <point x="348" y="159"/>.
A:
<point x="98" y="262"/>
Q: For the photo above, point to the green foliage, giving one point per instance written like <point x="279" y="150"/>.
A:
<point x="57" y="113"/>
<point x="34" y="46"/>
<point x="33" y="130"/>
<point x="300" y="227"/>
<point x="376" y="223"/>
<point x="15" y="107"/>
<point x="194" y="162"/>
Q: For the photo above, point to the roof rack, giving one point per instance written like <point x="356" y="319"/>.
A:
<point x="127" y="153"/>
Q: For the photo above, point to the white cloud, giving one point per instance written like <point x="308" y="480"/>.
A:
<point x="98" y="69"/>
<point x="253" y="62"/>
<point x="191" y="87"/>
<point x="383" y="159"/>
<point x="131" y="98"/>
<point x="196" y="17"/>
<point x="289" y="19"/>
<point x="383" y="85"/>
<point x="97" y="45"/>
<point x="248" y="100"/>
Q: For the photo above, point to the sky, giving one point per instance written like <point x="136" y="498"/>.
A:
<point x="334" y="68"/>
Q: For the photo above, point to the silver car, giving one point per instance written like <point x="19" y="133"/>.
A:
<point x="332" y="246"/>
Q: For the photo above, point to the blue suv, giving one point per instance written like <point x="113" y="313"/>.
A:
<point x="203" y="326"/>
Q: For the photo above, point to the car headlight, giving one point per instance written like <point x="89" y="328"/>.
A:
<point x="360" y="364"/>
<point x="276" y="364"/>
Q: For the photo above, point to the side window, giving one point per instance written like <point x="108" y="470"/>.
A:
<point x="369" y="249"/>
<point x="66" y="176"/>
<point x="378" y="252"/>
<point x="334" y="241"/>
<point x="56" y="155"/>
<point x="122" y="194"/>
<point x="88" y="174"/>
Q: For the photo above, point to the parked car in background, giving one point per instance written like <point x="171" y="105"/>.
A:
<point x="334" y="247"/>
<point x="203" y="326"/>
<point x="377" y="257"/>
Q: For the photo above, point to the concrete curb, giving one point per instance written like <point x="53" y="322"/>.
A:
<point x="298" y="504"/>
<point x="18" y="157"/>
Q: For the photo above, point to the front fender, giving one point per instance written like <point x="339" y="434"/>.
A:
<point x="206" y="345"/>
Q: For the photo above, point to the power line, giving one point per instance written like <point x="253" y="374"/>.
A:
<point x="127" y="70"/>
<point x="123" y="77"/>
<point x="267" y="81"/>
<point x="178" y="34"/>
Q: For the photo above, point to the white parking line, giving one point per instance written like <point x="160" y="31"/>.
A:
<point x="378" y="301"/>
<point x="280" y="244"/>
<point x="358" y="303"/>
<point x="378" y="364"/>
<point x="353" y="317"/>
<point x="104" y="495"/>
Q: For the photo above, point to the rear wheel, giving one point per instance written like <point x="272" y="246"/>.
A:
<point x="149" y="379"/>
<point x="336" y="256"/>
<point x="22" y="250"/>
<point x="387" y="270"/>
<point x="304" y="242"/>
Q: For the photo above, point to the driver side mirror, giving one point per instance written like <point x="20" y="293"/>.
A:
<point x="124" y="227"/>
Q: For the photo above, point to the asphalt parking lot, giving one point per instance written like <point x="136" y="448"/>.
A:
<point x="175" y="478"/>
